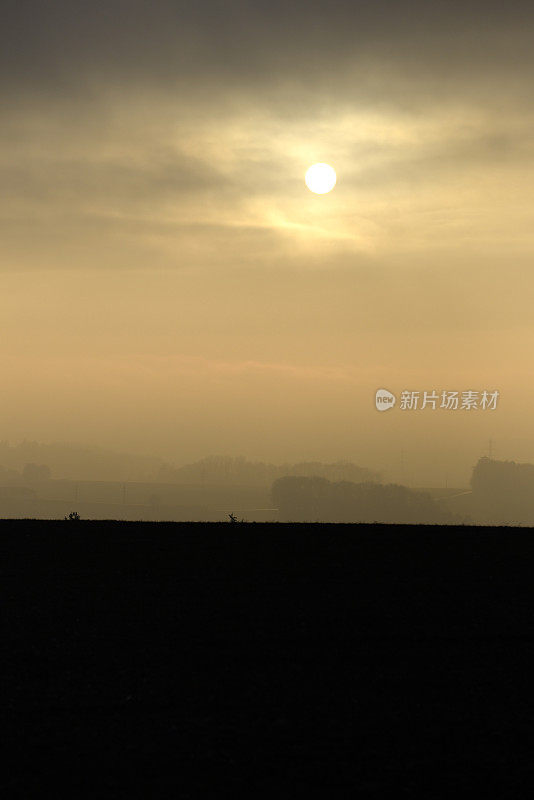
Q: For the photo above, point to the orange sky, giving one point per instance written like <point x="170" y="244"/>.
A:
<point x="170" y="286"/>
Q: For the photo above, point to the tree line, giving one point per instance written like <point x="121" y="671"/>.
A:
<point x="301" y="499"/>
<point x="503" y="491"/>
<point x="238" y="470"/>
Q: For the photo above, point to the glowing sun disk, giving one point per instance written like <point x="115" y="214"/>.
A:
<point x="320" y="178"/>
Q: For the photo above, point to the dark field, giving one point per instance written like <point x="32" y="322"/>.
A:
<point x="266" y="660"/>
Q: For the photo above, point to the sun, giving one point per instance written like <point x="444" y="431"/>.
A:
<point x="320" y="178"/>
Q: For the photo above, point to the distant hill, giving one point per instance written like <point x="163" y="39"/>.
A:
<point x="237" y="470"/>
<point x="79" y="462"/>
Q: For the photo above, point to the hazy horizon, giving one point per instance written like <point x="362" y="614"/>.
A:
<point x="101" y="462"/>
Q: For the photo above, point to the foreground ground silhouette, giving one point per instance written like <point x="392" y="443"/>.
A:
<point x="210" y="660"/>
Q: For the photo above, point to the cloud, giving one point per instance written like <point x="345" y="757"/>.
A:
<point x="64" y="48"/>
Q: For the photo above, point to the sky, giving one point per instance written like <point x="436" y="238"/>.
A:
<point x="171" y="287"/>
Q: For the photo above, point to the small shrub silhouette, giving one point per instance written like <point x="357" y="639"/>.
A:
<point x="233" y="518"/>
<point x="73" y="515"/>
